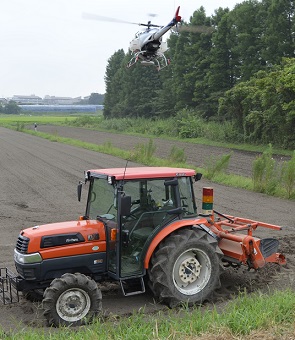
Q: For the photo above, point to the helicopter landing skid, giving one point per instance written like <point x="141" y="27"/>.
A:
<point x="159" y="62"/>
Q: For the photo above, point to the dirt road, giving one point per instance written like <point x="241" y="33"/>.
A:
<point x="38" y="185"/>
<point x="240" y="162"/>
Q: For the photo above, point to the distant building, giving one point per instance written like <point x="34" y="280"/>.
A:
<point x="32" y="99"/>
<point x="47" y="100"/>
<point x="53" y="100"/>
<point x="61" y="108"/>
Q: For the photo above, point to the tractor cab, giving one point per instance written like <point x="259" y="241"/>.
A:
<point x="136" y="203"/>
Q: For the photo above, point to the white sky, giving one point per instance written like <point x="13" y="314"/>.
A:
<point x="47" y="48"/>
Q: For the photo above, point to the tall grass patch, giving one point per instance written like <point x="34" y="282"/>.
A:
<point x="177" y="155"/>
<point x="189" y="125"/>
<point x="245" y="314"/>
<point x="144" y="153"/>
<point x="288" y="176"/>
<point x="264" y="174"/>
<point x="271" y="179"/>
<point x="216" y="165"/>
<point x="85" y="121"/>
<point x="272" y="315"/>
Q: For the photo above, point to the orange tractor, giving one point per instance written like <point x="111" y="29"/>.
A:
<point x="140" y="226"/>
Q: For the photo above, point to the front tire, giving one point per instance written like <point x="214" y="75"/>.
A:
<point x="71" y="300"/>
<point x="34" y="295"/>
<point x="185" y="268"/>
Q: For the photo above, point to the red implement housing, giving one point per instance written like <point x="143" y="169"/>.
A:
<point x="237" y="242"/>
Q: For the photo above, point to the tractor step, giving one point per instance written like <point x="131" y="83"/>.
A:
<point x="8" y="283"/>
<point x="132" y="286"/>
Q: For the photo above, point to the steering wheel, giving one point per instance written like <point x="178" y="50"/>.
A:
<point x="131" y="217"/>
<point x="135" y="202"/>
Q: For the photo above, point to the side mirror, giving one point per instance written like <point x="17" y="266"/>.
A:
<point x="125" y="205"/>
<point x="79" y="191"/>
<point x="198" y="176"/>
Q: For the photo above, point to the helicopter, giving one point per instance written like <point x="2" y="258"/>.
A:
<point x="147" y="46"/>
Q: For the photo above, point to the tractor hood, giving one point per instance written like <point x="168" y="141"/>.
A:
<point x="47" y="236"/>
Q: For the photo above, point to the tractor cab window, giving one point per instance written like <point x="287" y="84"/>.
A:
<point x="102" y="200"/>
<point x="186" y="196"/>
<point x="149" y="195"/>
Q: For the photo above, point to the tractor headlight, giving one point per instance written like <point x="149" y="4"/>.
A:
<point x="27" y="258"/>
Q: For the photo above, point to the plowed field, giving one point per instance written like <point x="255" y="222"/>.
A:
<point x="38" y="185"/>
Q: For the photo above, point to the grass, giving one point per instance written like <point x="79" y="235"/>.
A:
<point x="217" y="166"/>
<point x="269" y="316"/>
<point x="12" y="120"/>
<point x="288" y="175"/>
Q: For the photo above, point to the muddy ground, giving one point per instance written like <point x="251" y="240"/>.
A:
<point x="38" y="181"/>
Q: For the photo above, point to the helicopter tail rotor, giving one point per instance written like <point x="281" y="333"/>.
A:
<point x="177" y="17"/>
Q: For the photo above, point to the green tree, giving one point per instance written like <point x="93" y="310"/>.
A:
<point x="140" y="95"/>
<point x="278" y="35"/>
<point x="248" y="23"/>
<point x="220" y="76"/>
<point x="200" y="48"/>
<point x="131" y="92"/>
<point x="11" y="108"/>
<point x="96" y="99"/>
<point x="190" y="63"/>
<point x="263" y="108"/>
<point x="165" y="100"/>
<point x="182" y="90"/>
<point x="113" y="83"/>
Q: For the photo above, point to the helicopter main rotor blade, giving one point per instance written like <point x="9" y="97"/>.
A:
<point x="195" y="29"/>
<point x="149" y="25"/>
<point x="102" y="18"/>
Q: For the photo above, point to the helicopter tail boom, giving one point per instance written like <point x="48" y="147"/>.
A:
<point x="173" y="22"/>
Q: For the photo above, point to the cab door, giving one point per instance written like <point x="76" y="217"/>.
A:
<point x="151" y="200"/>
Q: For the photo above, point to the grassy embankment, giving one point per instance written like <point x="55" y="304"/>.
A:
<point x="267" y="176"/>
<point x="247" y="317"/>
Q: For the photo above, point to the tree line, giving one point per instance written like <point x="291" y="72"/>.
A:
<point x="240" y="69"/>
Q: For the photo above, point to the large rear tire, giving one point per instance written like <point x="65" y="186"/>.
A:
<point x="185" y="268"/>
<point x="72" y="300"/>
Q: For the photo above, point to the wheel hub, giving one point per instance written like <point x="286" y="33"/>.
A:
<point x="189" y="270"/>
<point x="73" y="305"/>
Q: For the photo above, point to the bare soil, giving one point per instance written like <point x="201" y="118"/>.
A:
<point x="38" y="185"/>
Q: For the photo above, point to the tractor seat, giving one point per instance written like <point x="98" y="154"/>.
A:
<point x="142" y="233"/>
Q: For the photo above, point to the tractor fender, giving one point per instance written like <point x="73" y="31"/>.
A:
<point x="167" y="231"/>
<point x="207" y="230"/>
